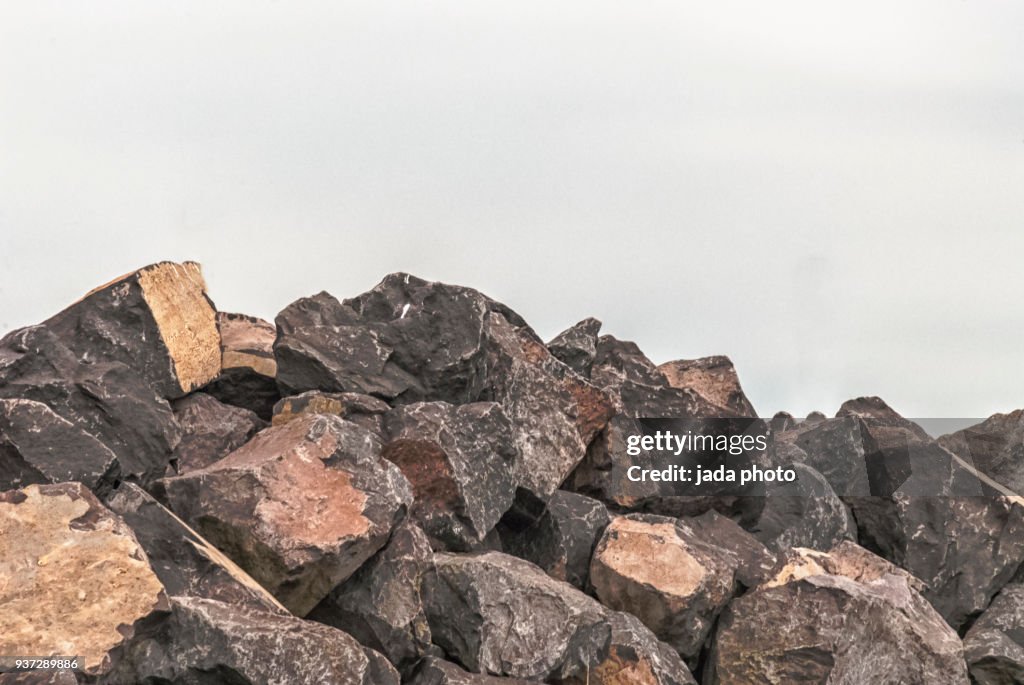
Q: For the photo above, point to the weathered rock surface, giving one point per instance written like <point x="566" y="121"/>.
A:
<point x="562" y="540"/>
<point x="158" y="321"/>
<point x="840" y="617"/>
<point x="248" y="376"/>
<point x="73" y="579"/>
<point x="714" y="379"/>
<point x="185" y="562"/>
<point x="675" y="576"/>
<point x="210" y="430"/>
<point x="207" y="641"/>
<point x="362" y="410"/>
<point x="300" y="507"/>
<point x="995" y="447"/>
<point x="39" y="446"/>
<point x="381" y="605"/>
<point x="461" y="462"/>
<point x="576" y="347"/>
<point x="105" y="399"/>
<point x="501" y="615"/>
<point x="432" y="671"/>
<point x="994" y="646"/>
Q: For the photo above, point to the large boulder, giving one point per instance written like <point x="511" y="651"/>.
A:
<point x="107" y="400"/>
<point x="39" y="446"/>
<point x="462" y="463"/>
<point x="158" y="321"/>
<point x="714" y="379"/>
<point x="300" y="507"/>
<point x="185" y="562"/>
<point x="840" y="617"/>
<point x="208" y="641"/>
<point x="248" y="376"/>
<point x="210" y="430"/>
<point x="675" y="575"/>
<point x="994" y="646"/>
<point x="497" y="614"/>
<point x="74" y="580"/>
<point x="995" y="447"/>
<point x="562" y="540"/>
<point x="381" y="604"/>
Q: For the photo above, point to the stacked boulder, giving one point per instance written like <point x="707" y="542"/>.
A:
<point x="410" y="486"/>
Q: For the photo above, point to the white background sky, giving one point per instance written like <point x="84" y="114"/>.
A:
<point x="831" y="193"/>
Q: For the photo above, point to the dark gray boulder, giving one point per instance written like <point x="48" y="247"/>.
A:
<point x="576" y="347"/>
<point x="210" y="430"/>
<point x="994" y="646"/>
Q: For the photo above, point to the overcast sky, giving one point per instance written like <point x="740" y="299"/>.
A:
<point x="831" y="193"/>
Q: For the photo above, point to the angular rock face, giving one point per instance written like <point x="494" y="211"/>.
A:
<point x="461" y="462"/>
<point x="381" y="605"/>
<point x="210" y="430"/>
<point x="38" y="446"/>
<point x="840" y="617"/>
<point x="675" y="576"/>
<point x="185" y="562"/>
<point x="501" y="615"/>
<point x="562" y="540"/>
<point x="362" y="410"/>
<point x="433" y="671"/>
<point x="105" y="399"/>
<point x="300" y="507"/>
<point x="994" y="646"/>
<point x="73" y="579"/>
<point x="576" y="347"/>
<point x="207" y="641"/>
<point x="714" y="379"/>
<point x="995" y="447"/>
<point x="158" y="321"/>
<point x="248" y="376"/>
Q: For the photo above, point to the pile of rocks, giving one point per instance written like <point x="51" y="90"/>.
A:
<point x="409" y="486"/>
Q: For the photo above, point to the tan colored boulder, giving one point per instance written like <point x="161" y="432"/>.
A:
<point x="248" y="377"/>
<point x="74" y="580"/>
<point x="713" y="378"/>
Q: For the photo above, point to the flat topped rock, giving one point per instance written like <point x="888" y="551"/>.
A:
<point x="158" y="320"/>
<point x="73" y="578"/>
<point x="300" y="506"/>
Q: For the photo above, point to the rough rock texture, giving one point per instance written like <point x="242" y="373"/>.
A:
<point x="108" y="400"/>
<point x="185" y="562"/>
<point x="576" y="347"/>
<point x="210" y="430"/>
<point x="381" y="605"/>
<point x="39" y="446"/>
<point x="500" y="615"/>
<point x="841" y="617"/>
<point x="675" y="576"/>
<point x="994" y="646"/>
<point x="995" y="447"/>
<point x="461" y="462"/>
<point x="432" y="671"/>
<point x="714" y="379"/>
<point x="300" y="507"/>
<point x="562" y="540"/>
<point x="362" y="410"/>
<point x="248" y="376"/>
<point x="158" y="321"/>
<point x="73" y="579"/>
<point x="206" y="642"/>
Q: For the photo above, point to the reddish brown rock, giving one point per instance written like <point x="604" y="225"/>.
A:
<point x="497" y="614"/>
<point x="73" y="579"/>
<point x="248" y="376"/>
<point x="461" y="462"/>
<point x="38" y="446"/>
<point x="158" y="321"/>
<point x="210" y="430"/>
<point x="363" y="410"/>
<point x="675" y="576"/>
<point x="300" y="507"/>
<point x="714" y="379"/>
<point x="840" y="617"/>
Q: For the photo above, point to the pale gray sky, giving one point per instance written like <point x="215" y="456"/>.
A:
<point x="831" y="193"/>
